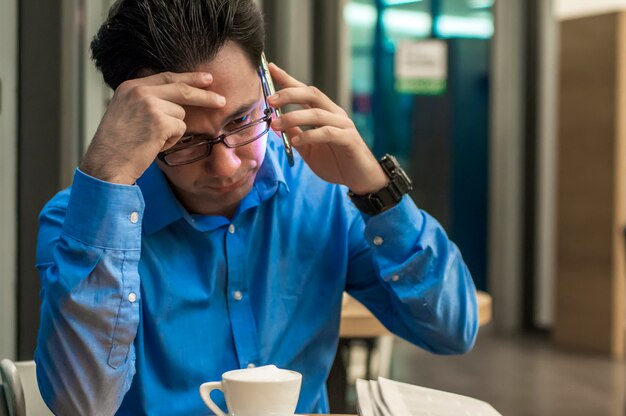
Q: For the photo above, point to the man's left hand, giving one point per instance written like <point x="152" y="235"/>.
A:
<point x="333" y="148"/>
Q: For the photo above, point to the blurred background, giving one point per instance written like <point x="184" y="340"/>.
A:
<point x="509" y="115"/>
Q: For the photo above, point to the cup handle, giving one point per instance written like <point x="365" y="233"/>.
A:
<point x="205" y="393"/>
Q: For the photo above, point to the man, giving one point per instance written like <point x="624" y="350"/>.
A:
<point x="187" y="246"/>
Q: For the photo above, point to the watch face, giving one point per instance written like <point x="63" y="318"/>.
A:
<point x="406" y="181"/>
<point x="390" y="164"/>
<point x="396" y="174"/>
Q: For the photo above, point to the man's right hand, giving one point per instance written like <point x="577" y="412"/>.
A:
<point x="145" y="116"/>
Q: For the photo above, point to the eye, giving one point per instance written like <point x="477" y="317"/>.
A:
<point x="185" y="140"/>
<point x="238" y="122"/>
<point x="189" y="140"/>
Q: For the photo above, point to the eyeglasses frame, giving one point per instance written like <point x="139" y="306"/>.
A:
<point x="267" y="118"/>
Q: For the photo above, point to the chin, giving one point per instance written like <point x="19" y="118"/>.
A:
<point x="228" y="196"/>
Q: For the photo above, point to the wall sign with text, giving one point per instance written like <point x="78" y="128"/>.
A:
<point x="421" y="67"/>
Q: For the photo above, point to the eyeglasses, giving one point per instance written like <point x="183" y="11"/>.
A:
<point x="196" y="147"/>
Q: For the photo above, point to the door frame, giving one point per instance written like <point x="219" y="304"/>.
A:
<point x="8" y="178"/>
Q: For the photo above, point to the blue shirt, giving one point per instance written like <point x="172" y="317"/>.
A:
<point x="143" y="301"/>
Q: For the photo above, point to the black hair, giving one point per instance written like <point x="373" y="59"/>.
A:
<point x="173" y="35"/>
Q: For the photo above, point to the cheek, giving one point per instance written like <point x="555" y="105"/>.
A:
<point x="180" y="176"/>
<point x="255" y="152"/>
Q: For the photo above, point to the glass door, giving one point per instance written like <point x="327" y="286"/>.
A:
<point x="420" y="90"/>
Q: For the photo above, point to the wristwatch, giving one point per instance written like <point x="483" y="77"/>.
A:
<point x="389" y="196"/>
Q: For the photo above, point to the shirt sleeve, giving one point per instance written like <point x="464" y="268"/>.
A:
<point x="88" y="252"/>
<point x="404" y="268"/>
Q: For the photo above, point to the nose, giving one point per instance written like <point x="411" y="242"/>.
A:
<point x="223" y="162"/>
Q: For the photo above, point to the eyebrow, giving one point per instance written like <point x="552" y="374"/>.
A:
<point x="243" y="108"/>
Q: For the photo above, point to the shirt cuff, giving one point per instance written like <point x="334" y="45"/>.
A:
<point x="104" y="214"/>
<point x="394" y="233"/>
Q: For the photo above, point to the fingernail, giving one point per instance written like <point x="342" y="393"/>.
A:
<point x="277" y="124"/>
<point x="207" y="77"/>
<point x="273" y="97"/>
<point x="221" y="100"/>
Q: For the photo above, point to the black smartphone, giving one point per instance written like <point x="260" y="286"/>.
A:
<point x="268" y="85"/>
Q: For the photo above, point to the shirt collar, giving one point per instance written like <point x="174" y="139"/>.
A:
<point x="163" y="208"/>
<point x="271" y="175"/>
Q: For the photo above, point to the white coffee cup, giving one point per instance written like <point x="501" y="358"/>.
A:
<point x="260" y="391"/>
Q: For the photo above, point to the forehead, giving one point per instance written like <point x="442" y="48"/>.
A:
<point x="234" y="76"/>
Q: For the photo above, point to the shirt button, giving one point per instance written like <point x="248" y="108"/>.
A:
<point x="395" y="278"/>
<point x="132" y="297"/>
<point x="237" y="295"/>
<point x="251" y="365"/>
<point x="134" y="217"/>
<point x="231" y="228"/>
<point x="378" y="240"/>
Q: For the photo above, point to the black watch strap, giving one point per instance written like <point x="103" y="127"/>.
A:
<point x="377" y="202"/>
<point x="389" y="196"/>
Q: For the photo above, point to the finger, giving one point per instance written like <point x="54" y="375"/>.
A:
<point x="313" y="117"/>
<point x="282" y="78"/>
<point x="326" y="134"/>
<point x="291" y="132"/>
<point x="172" y="109"/>
<point x="185" y="94"/>
<point x="305" y="96"/>
<point x="175" y="129"/>
<point x="195" y="79"/>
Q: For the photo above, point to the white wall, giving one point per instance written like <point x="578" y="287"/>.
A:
<point x="567" y="9"/>
<point x="8" y="169"/>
